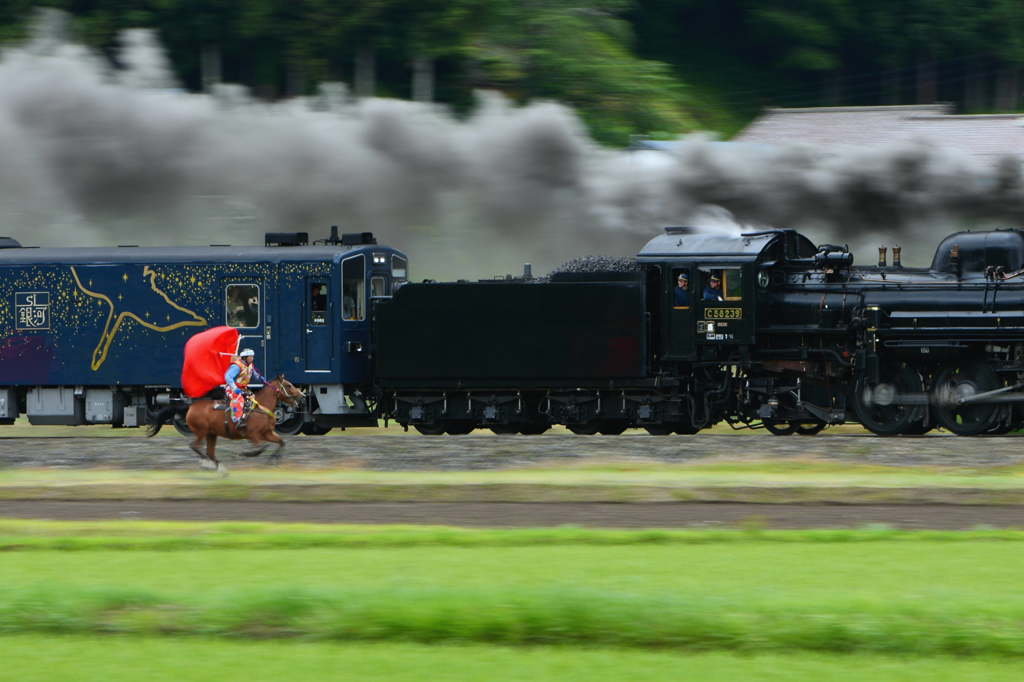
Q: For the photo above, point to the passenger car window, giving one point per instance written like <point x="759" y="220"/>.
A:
<point x="353" y="288"/>
<point x="318" y="303"/>
<point x="399" y="268"/>
<point x="242" y="305"/>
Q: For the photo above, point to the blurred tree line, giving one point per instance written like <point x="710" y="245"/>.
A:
<point x="657" y="67"/>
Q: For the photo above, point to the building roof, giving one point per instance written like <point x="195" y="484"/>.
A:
<point x="984" y="135"/>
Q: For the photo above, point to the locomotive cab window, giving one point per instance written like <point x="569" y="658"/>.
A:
<point x="318" y="303"/>
<point x="682" y="295"/>
<point x="378" y="287"/>
<point x="242" y="305"/>
<point x="722" y="284"/>
<point x="353" y="288"/>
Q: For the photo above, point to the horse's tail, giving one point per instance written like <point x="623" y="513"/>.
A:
<point x="160" y="417"/>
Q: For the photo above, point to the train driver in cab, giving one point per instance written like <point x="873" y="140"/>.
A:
<point x="682" y="291"/>
<point x="713" y="290"/>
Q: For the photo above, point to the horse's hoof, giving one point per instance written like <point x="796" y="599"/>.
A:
<point x="222" y="470"/>
<point x="207" y="464"/>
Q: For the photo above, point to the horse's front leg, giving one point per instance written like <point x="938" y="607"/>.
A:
<point x="275" y="456"/>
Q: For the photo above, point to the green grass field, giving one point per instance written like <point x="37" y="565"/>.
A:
<point x="918" y="594"/>
<point x="36" y="658"/>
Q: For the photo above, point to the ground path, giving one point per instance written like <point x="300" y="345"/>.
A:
<point x="499" y="515"/>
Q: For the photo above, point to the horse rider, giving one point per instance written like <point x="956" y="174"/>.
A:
<point x="236" y="384"/>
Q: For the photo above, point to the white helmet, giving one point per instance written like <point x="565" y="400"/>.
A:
<point x="247" y="353"/>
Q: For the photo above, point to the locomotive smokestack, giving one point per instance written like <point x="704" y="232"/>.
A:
<point x="896" y="251"/>
<point x="881" y="256"/>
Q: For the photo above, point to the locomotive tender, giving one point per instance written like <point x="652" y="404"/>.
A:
<point x="96" y="335"/>
<point x="793" y="337"/>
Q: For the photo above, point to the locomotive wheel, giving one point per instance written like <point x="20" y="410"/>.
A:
<point x="780" y="428"/>
<point x="505" y="430"/>
<point x="585" y="429"/>
<point x="1003" y="422"/>
<point x="874" y="406"/>
<point x="808" y="428"/>
<point x="918" y="429"/>
<point x="659" y="430"/>
<point x="433" y="429"/>
<point x="534" y="429"/>
<point x="961" y="382"/>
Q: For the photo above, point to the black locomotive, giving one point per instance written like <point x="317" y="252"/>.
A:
<point x="789" y="336"/>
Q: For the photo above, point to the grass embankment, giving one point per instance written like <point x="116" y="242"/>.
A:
<point x="29" y="535"/>
<point x="909" y="594"/>
<point x="40" y="658"/>
<point x="719" y="480"/>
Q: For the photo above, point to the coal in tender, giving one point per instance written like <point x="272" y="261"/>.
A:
<point x="598" y="264"/>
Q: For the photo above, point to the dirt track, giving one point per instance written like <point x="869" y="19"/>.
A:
<point x="399" y="452"/>
<point x="524" y="515"/>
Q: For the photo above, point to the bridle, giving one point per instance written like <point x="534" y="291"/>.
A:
<point x="283" y="393"/>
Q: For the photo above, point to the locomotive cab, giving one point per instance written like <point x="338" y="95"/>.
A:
<point x="717" y="314"/>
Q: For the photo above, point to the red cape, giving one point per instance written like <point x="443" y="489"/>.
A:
<point x="207" y="356"/>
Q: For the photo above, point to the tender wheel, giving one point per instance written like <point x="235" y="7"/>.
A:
<point x="780" y="428"/>
<point x="585" y="429"/>
<point x="810" y="428"/>
<point x="459" y="428"/>
<point x="505" y="430"/>
<point x="876" y="406"/>
<point x="612" y="428"/>
<point x="430" y="429"/>
<point x="534" y="429"/>
<point x="955" y="384"/>
<point x="659" y="430"/>
<point x="181" y="425"/>
<point x="314" y="429"/>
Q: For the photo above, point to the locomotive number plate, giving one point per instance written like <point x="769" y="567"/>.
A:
<point x="723" y="313"/>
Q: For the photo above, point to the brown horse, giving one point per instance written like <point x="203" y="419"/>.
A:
<point x="208" y="422"/>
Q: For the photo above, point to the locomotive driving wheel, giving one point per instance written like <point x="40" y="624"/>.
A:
<point x="953" y="385"/>
<point x="878" y="405"/>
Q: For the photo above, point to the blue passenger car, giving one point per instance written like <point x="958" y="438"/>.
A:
<point x="96" y="335"/>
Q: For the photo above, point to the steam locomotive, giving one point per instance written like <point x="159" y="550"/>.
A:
<point x="791" y="337"/>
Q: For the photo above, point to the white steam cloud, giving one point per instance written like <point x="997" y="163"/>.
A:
<point x="94" y="154"/>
